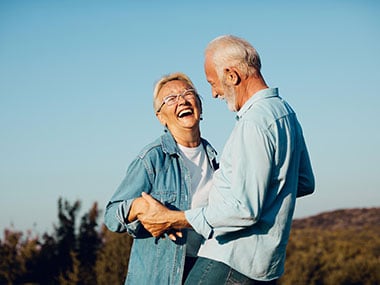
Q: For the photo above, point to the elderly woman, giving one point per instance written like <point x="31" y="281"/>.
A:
<point x="176" y="169"/>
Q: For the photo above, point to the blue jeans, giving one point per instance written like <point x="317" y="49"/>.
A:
<point x="210" y="272"/>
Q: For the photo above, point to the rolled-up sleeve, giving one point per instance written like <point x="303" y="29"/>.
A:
<point x="199" y="223"/>
<point x="134" y="183"/>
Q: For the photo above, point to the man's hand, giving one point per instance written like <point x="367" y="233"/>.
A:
<point x="153" y="219"/>
<point x="158" y="219"/>
<point x="139" y="205"/>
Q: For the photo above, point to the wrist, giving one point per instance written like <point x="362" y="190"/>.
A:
<point x="135" y="210"/>
<point x="178" y="220"/>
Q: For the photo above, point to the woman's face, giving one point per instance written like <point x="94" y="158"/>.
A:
<point x="180" y="113"/>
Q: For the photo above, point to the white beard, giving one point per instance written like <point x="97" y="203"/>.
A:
<point x="230" y="97"/>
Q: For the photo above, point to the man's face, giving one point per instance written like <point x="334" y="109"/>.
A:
<point x="181" y="112"/>
<point x="219" y="89"/>
<point x="229" y="95"/>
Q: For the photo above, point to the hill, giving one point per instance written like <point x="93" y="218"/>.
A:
<point x="333" y="248"/>
<point x="341" y="219"/>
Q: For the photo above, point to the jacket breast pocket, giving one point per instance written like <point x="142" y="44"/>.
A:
<point x="168" y="199"/>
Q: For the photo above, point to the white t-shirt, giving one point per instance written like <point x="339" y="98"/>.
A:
<point x="195" y="159"/>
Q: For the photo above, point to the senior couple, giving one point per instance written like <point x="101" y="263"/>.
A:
<point x="195" y="221"/>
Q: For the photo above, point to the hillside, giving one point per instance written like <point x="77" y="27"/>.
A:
<point x="333" y="248"/>
<point x="341" y="219"/>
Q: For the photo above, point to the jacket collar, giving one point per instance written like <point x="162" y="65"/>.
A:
<point x="169" y="146"/>
<point x="168" y="143"/>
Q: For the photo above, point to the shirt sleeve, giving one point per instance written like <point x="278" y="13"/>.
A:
<point x="134" y="183"/>
<point x="306" y="182"/>
<point x="239" y="186"/>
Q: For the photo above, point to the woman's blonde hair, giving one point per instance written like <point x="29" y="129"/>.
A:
<point x="165" y="79"/>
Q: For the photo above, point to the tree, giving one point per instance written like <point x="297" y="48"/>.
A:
<point x="65" y="234"/>
<point x="11" y="265"/>
<point x="71" y="277"/>
<point x="17" y="257"/>
<point x="47" y="266"/>
<point x="89" y="243"/>
<point x="113" y="257"/>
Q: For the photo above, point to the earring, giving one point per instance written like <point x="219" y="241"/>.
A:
<point x="201" y="117"/>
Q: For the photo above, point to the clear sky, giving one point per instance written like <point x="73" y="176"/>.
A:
<point x="76" y="85"/>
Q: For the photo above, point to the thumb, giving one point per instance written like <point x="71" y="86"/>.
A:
<point x="148" y="198"/>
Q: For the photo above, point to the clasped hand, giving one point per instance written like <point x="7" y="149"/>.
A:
<point x="155" y="219"/>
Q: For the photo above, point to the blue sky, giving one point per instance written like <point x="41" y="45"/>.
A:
<point x="76" y="84"/>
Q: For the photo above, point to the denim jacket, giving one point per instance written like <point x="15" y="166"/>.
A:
<point x="158" y="170"/>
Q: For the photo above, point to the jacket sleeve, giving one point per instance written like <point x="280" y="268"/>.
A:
<point x="135" y="182"/>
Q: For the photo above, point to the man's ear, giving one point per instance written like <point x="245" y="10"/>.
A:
<point x="232" y="76"/>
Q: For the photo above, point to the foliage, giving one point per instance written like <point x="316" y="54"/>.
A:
<point x="16" y="255"/>
<point x="89" y="242"/>
<point x="341" y="247"/>
<point x="71" y="277"/>
<point x="113" y="257"/>
<point x="66" y="237"/>
<point x="335" y="249"/>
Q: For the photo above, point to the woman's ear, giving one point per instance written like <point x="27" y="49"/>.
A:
<point x="161" y="118"/>
<point x="200" y="104"/>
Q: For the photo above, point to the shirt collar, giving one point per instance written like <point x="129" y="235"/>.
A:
<point x="262" y="94"/>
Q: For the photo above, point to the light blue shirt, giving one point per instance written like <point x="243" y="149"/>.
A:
<point x="263" y="168"/>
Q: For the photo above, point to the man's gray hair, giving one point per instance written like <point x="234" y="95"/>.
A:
<point x="229" y="50"/>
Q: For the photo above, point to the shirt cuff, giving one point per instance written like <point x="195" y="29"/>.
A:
<point x="199" y="223"/>
<point x="122" y="215"/>
<point x="133" y="228"/>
